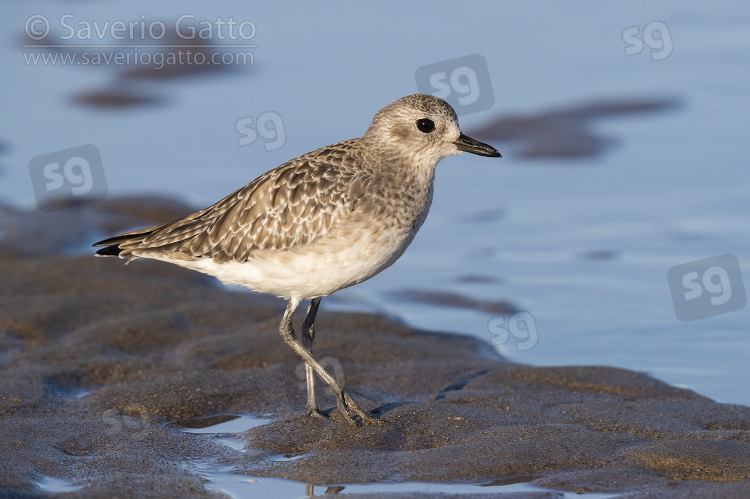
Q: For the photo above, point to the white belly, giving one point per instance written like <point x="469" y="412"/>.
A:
<point x="315" y="270"/>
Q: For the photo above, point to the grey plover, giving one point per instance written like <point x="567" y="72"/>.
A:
<point x="321" y="222"/>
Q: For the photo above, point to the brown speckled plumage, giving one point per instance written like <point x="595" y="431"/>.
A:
<point x="318" y="223"/>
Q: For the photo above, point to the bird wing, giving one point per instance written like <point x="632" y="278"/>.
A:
<point x="288" y="207"/>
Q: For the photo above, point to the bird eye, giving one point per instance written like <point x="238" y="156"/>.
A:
<point x="425" y="125"/>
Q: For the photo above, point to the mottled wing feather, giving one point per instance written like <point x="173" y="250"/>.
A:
<point x="285" y="208"/>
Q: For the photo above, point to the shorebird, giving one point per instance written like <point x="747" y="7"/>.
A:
<point x="321" y="222"/>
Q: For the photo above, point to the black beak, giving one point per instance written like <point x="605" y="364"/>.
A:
<point x="467" y="144"/>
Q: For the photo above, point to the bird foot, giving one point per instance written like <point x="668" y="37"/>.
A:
<point x="353" y="414"/>
<point x="314" y="412"/>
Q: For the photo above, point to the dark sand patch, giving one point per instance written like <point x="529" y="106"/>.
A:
<point x="100" y="365"/>
<point x="455" y="300"/>
<point x="565" y="133"/>
<point x="115" y="99"/>
<point x="137" y="61"/>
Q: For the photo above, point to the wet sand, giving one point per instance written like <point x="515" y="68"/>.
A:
<point x="101" y="363"/>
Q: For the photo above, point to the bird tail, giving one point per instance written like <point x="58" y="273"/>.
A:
<point x="123" y="245"/>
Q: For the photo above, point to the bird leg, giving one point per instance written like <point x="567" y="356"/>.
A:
<point x="344" y="401"/>
<point x="308" y="335"/>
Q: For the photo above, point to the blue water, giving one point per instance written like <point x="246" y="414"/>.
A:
<point x="582" y="244"/>
<point x="224" y="478"/>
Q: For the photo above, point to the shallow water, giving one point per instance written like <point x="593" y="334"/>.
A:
<point x="223" y="478"/>
<point x="57" y="485"/>
<point x="238" y="486"/>
<point x="224" y="432"/>
<point x="583" y="243"/>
